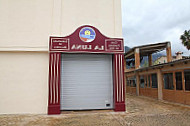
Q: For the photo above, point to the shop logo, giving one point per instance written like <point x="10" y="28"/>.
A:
<point x="87" y="34"/>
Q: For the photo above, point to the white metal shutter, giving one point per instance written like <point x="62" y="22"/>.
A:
<point x="86" y="81"/>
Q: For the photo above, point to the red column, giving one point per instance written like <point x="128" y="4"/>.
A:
<point x="150" y="60"/>
<point x="169" y="52"/>
<point x="54" y="83"/>
<point x="137" y="58"/>
<point x="119" y="86"/>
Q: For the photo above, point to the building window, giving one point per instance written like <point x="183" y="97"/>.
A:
<point x="154" y="81"/>
<point x="178" y="78"/>
<point x="149" y="81"/>
<point x="131" y="81"/>
<point x="168" y="81"/>
<point x="128" y="82"/>
<point x="145" y="81"/>
<point x="142" y="81"/>
<point x="187" y="80"/>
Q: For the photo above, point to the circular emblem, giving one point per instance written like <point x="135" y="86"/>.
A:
<point x="87" y="34"/>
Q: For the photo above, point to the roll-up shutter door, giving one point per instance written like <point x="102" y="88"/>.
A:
<point x="86" y="81"/>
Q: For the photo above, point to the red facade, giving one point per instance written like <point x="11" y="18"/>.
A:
<point x="74" y="44"/>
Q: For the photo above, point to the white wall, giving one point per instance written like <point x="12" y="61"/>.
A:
<point x="25" y="27"/>
<point x="23" y="82"/>
<point x="27" y="24"/>
<point x="103" y="14"/>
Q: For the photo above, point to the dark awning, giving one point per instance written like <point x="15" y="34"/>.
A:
<point x="145" y="50"/>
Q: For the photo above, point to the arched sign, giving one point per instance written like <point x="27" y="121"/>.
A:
<point x="87" y="39"/>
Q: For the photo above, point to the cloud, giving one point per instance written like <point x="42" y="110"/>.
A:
<point x="151" y="21"/>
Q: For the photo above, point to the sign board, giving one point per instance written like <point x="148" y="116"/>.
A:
<point x="87" y="39"/>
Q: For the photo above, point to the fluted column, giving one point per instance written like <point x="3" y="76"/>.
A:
<point x="119" y="86"/>
<point x="54" y="83"/>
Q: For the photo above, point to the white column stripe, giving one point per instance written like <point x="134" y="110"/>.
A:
<point x="51" y="57"/>
<point x="54" y="79"/>
<point x="122" y="77"/>
<point x="57" y="76"/>
<point x="116" y="79"/>
<point x="119" y="78"/>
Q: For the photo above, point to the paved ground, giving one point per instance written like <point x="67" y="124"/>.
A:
<point x="141" y="111"/>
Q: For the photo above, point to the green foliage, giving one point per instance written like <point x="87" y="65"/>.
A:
<point x="185" y="38"/>
<point x="156" y="62"/>
<point x="145" y="64"/>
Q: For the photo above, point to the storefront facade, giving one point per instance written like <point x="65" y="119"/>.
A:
<point x="90" y="63"/>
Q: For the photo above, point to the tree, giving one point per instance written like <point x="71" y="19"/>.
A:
<point x="185" y="38"/>
<point x="145" y="63"/>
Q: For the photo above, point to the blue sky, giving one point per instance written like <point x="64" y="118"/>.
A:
<point x="151" y="21"/>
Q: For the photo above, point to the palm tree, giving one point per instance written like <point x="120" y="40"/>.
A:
<point x="185" y="38"/>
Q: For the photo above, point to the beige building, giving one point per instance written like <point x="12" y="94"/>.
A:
<point x="25" y="30"/>
<point x="163" y="59"/>
<point x="168" y="81"/>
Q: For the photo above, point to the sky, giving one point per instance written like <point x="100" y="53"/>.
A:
<point x="153" y="21"/>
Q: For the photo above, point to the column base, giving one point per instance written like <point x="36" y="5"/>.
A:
<point x="119" y="107"/>
<point x="54" y="109"/>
